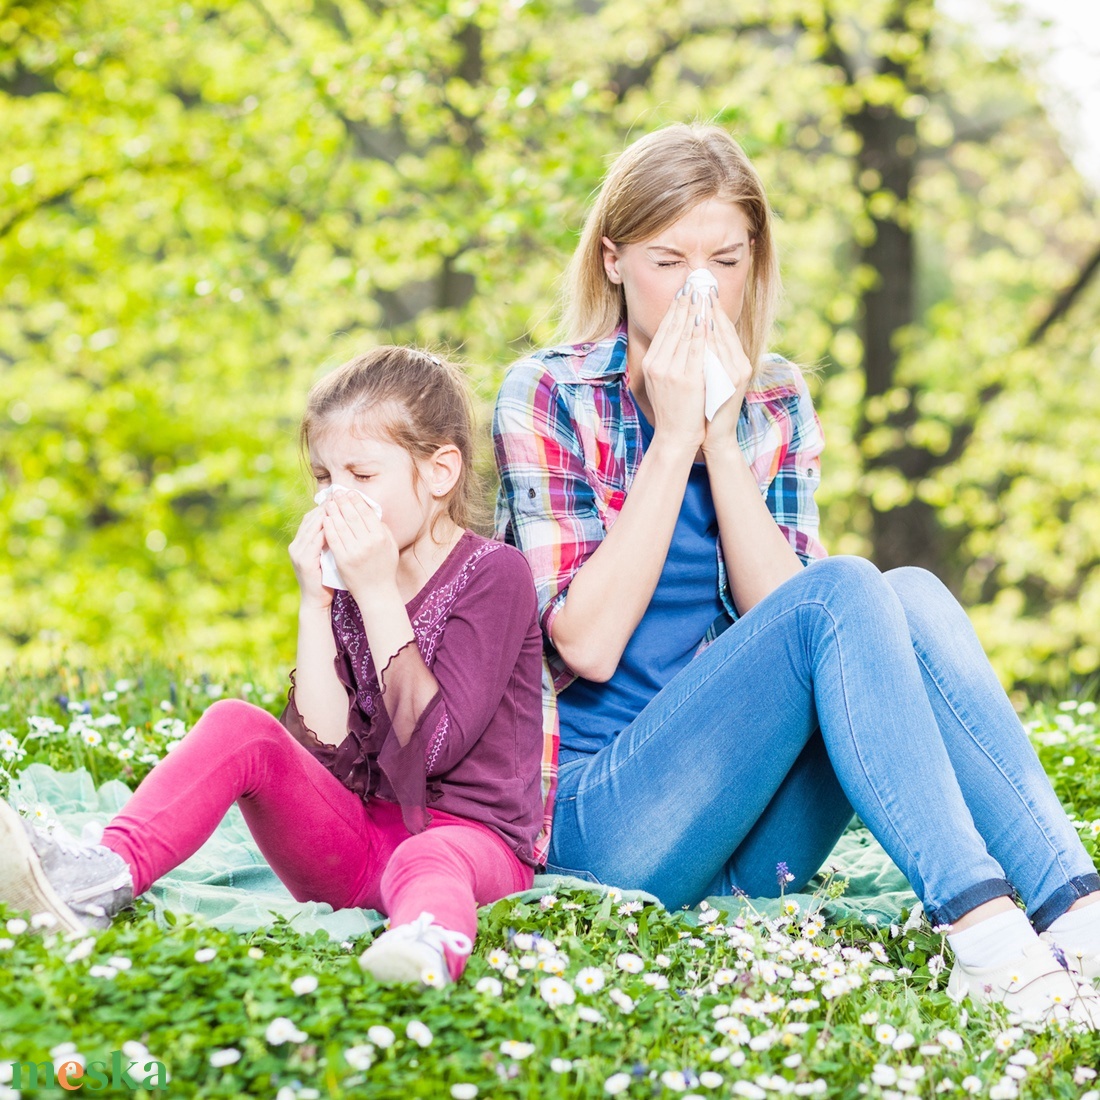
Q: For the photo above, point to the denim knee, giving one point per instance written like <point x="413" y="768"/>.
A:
<point x="919" y="588"/>
<point x="846" y="569"/>
<point x="848" y="581"/>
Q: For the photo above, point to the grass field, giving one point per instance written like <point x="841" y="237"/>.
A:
<point x="567" y="997"/>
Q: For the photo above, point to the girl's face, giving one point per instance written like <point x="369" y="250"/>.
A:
<point x="714" y="235"/>
<point x="348" y="452"/>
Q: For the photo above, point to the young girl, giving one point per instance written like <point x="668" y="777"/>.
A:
<point x="726" y="698"/>
<point x="410" y="779"/>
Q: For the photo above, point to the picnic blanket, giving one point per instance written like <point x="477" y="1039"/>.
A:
<point x="229" y="884"/>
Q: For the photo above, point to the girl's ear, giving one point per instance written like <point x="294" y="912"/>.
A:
<point x="611" y="259"/>
<point x="444" y="468"/>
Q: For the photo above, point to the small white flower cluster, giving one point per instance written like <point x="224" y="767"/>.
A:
<point x="11" y="751"/>
<point x="283" y="1030"/>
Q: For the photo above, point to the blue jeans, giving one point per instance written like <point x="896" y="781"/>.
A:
<point x="844" y="689"/>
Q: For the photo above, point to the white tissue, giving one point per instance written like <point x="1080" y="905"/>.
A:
<point x="719" y="388"/>
<point x="330" y="575"/>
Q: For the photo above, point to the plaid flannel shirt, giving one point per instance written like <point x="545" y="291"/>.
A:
<point x="568" y="443"/>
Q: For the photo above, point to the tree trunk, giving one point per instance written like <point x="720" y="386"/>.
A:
<point x="909" y="533"/>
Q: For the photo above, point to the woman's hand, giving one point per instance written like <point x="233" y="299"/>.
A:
<point x="726" y="345"/>
<point x="305" y="556"/>
<point x="363" y="546"/>
<point x="673" y="368"/>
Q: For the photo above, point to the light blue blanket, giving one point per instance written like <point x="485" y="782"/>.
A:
<point x="229" y="884"/>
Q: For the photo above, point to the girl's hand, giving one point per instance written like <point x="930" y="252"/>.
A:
<point x="305" y="556"/>
<point x="673" y="368"/>
<point x="726" y="344"/>
<point x="363" y="546"/>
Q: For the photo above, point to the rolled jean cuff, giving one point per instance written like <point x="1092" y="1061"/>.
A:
<point x="1058" y="903"/>
<point x="969" y="899"/>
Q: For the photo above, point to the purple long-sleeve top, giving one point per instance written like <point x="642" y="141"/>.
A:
<point x="475" y="736"/>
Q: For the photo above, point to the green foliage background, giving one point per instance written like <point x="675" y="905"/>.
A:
<point x="204" y="205"/>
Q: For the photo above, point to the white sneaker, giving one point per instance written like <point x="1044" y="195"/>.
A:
<point x="414" y="953"/>
<point x="24" y="884"/>
<point x="1084" y="963"/>
<point x="1034" y="986"/>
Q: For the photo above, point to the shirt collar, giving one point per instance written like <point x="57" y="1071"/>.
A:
<point x="600" y="361"/>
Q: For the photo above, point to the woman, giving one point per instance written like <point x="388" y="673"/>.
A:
<point x="726" y="694"/>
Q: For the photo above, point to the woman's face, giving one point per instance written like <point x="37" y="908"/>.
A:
<point x="714" y="235"/>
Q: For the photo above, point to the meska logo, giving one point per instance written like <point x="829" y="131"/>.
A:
<point x="94" y="1076"/>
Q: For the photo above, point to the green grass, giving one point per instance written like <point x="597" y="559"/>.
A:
<point x="718" y="1008"/>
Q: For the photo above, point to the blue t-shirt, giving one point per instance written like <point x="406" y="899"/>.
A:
<point x="684" y="604"/>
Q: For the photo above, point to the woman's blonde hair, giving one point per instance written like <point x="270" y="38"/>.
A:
<point x="651" y="185"/>
<point x="419" y="401"/>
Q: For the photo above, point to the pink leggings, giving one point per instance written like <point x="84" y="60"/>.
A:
<point x="324" y="842"/>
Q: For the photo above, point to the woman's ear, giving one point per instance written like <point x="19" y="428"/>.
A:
<point x="611" y="259"/>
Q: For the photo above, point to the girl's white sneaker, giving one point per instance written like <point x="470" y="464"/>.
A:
<point x="414" y="953"/>
<point x="77" y="885"/>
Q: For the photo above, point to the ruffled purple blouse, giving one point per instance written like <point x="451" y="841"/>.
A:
<point x="470" y="730"/>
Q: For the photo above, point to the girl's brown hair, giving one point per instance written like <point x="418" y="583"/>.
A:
<point x="419" y="401"/>
<point x="651" y="185"/>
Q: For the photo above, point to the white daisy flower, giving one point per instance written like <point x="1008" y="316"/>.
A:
<point x="419" y="1033"/>
<point x="950" y="1041"/>
<point x="556" y="991"/>
<point x="590" y="979"/>
<point x="434" y="976"/>
<point x="884" y="1076"/>
<point x="282" y="1030"/>
<point x="748" y="1090"/>
<point x="82" y="949"/>
<point x="382" y="1036"/>
<point x="630" y="963"/>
